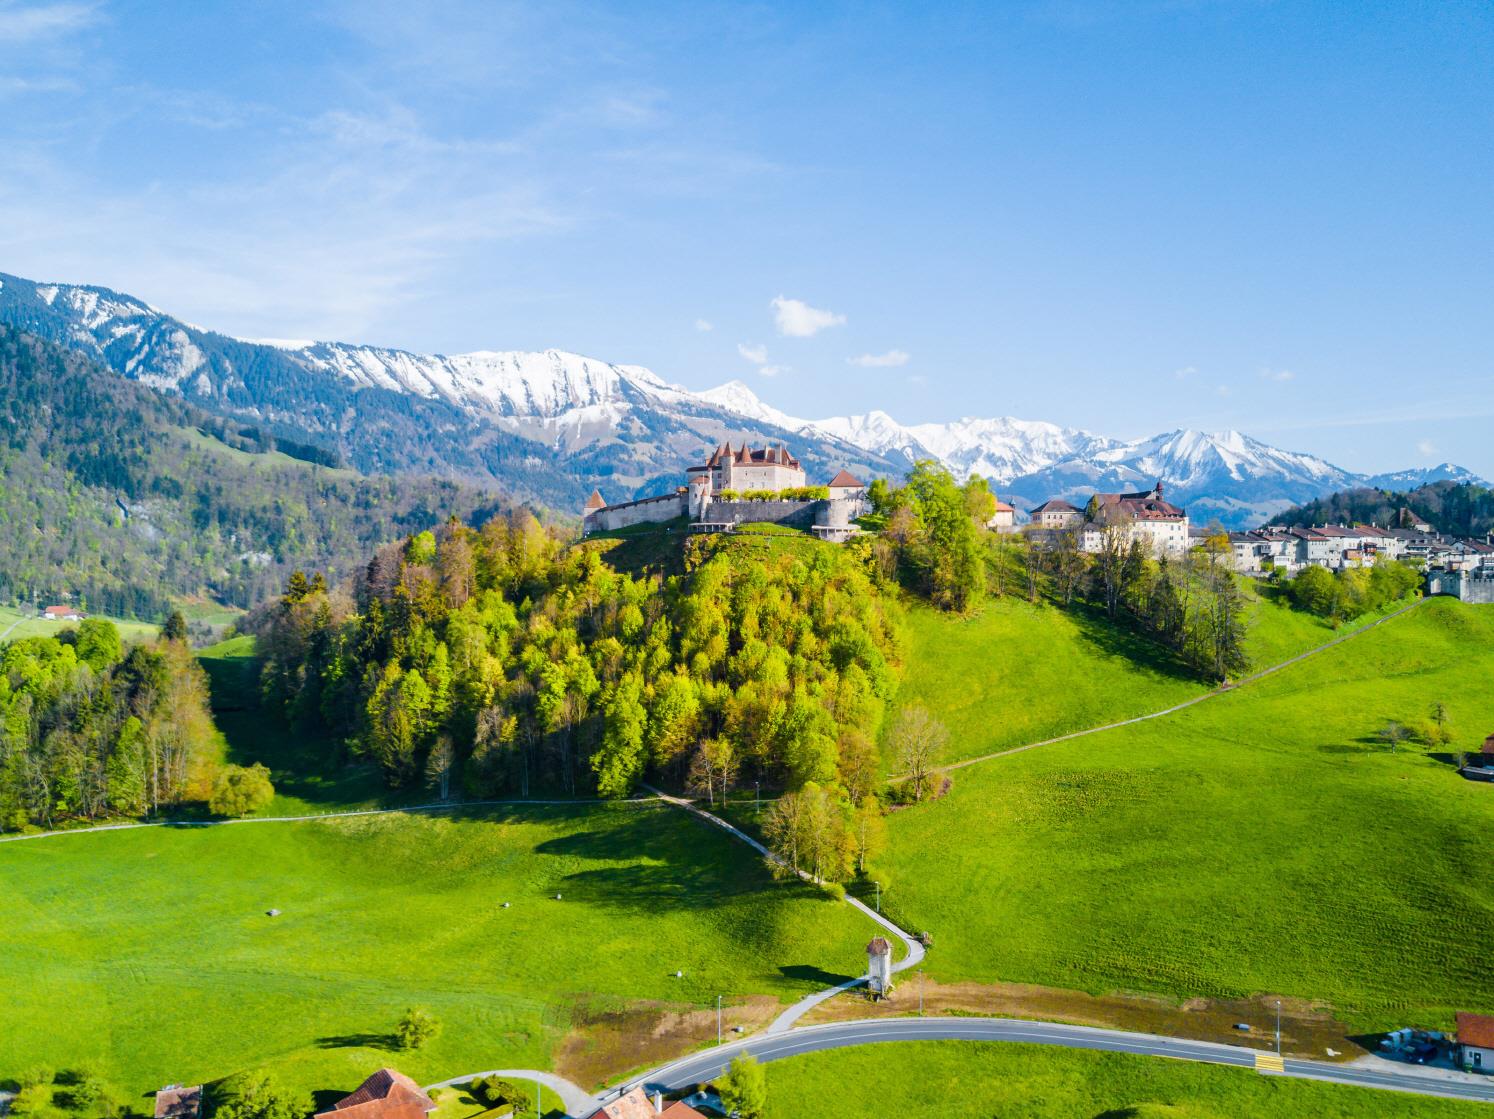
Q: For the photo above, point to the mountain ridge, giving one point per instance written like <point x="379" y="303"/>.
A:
<point x="550" y="425"/>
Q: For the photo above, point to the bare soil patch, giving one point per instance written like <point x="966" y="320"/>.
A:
<point x="1306" y="1030"/>
<point x="607" y="1043"/>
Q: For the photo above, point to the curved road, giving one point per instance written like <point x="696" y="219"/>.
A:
<point x="710" y="1063"/>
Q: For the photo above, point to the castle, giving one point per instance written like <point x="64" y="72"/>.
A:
<point x="716" y="497"/>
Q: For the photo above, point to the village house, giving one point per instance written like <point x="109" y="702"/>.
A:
<point x="387" y="1094"/>
<point x="1160" y="526"/>
<point x="1476" y="1042"/>
<point x="177" y="1102"/>
<point x="1056" y="514"/>
<point x="717" y="498"/>
<point x="637" y="1105"/>
<point x="63" y="614"/>
<point x="1004" y="519"/>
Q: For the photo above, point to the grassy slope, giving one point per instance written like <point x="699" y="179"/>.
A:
<point x="966" y="1080"/>
<point x="150" y="951"/>
<point x="32" y="626"/>
<point x="1262" y="841"/>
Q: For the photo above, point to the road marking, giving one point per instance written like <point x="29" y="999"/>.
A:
<point x="1269" y="1062"/>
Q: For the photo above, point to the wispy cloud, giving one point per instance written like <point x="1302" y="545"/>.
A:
<point x="1426" y="447"/>
<point x="775" y="370"/>
<point x="1184" y="373"/>
<point x="758" y="355"/>
<point x="30" y="23"/>
<point x="890" y="359"/>
<point x="1280" y="376"/>
<point x="705" y="326"/>
<point x="1223" y="390"/>
<point x="797" y="319"/>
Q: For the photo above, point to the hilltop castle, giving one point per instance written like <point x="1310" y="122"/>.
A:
<point x="715" y="500"/>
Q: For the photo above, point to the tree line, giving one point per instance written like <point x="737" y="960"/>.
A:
<point x="1458" y="508"/>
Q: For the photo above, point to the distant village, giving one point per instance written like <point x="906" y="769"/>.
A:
<point x="746" y="485"/>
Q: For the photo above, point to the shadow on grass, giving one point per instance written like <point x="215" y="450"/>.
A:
<point x="1115" y="640"/>
<point x="387" y="1042"/>
<point x="815" y="975"/>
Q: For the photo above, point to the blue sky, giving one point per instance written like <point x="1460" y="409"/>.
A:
<point x="1128" y="217"/>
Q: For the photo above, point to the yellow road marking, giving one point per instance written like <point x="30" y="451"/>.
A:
<point x="1268" y="1062"/>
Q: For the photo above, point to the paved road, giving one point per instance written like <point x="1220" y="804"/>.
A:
<point x="577" y="1101"/>
<point x="912" y="949"/>
<point x="705" y="1065"/>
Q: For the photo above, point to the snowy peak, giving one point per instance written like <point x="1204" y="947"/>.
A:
<point x="736" y="397"/>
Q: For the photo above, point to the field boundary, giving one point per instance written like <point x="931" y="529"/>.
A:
<point x="337" y="815"/>
<point x="1223" y="689"/>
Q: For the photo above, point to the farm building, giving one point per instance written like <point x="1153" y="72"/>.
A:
<point x="387" y="1094"/>
<point x="1476" y="1041"/>
<point x="176" y="1102"/>
<point x="63" y="614"/>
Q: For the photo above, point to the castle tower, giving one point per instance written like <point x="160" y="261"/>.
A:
<point x="879" y="967"/>
<point x="594" y="505"/>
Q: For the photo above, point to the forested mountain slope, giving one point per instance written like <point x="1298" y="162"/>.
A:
<point x="1460" y="508"/>
<point x="124" y="498"/>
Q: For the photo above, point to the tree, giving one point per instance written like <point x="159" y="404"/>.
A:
<point x="744" y="1088"/>
<point x="1393" y="734"/>
<point x="868" y="832"/>
<point x="916" y="740"/>
<point x="240" y="790"/>
<point x="257" y="1095"/>
<point x="416" y="1028"/>
<point x="440" y="765"/>
<point x="620" y="761"/>
<point x="175" y="628"/>
<point x="99" y="645"/>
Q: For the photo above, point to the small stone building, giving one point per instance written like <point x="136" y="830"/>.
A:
<point x="177" y="1102"/>
<point x="879" y="967"/>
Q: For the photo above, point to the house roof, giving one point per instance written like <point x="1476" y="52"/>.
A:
<point x="1476" y="1030"/>
<point x="59" y="611"/>
<point x="387" y="1094"/>
<point x="595" y="501"/>
<point x="679" y="1109"/>
<point x="634" y="1105"/>
<point x="1003" y="507"/>
<point x="845" y="479"/>
<point x="878" y="946"/>
<point x="179" y="1102"/>
<point x="1054" y="506"/>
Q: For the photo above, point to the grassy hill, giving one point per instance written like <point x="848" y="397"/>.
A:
<point x="1261" y="841"/>
<point x="157" y="944"/>
<point x="967" y="1080"/>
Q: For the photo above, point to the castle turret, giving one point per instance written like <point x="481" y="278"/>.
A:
<point x="879" y="967"/>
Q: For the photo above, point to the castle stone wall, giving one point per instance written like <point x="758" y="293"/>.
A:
<point x="798" y="514"/>
<point x="1468" y="586"/>
<point x="648" y="510"/>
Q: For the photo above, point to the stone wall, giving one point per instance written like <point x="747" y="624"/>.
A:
<point x="798" y="514"/>
<point x="647" y="510"/>
<point x="1468" y="586"/>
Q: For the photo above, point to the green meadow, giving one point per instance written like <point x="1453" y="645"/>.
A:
<point x="15" y="624"/>
<point x="149" y="953"/>
<point x="972" y="1080"/>
<point x="1262" y="841"/>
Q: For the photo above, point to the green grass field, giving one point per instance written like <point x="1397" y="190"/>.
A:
<point x="149" y="952"/>
<point x="970" y="1080"/>
<point x="1262" y="841"/>
<point x="14" y="625"/>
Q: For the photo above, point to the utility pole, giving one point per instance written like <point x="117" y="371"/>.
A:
<point x="757" y="788"/>
<point x="878" y="885"/>
<point x="718" y="1019"/>
<point x="1278" y="1027"/>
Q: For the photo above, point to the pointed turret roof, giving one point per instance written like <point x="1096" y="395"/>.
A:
<point x="595" y="501"/>
<point x="845" y="479"/>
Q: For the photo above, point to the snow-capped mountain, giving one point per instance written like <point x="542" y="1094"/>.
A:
<point x="552" y="425"/>
<point x="1409" y="479"/>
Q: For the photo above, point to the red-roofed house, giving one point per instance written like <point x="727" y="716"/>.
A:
<point x="1476" y="1041"/>
<point x="1004" y="519"/>
<point x="387" y="1094"/>
<point x="845" y="486"/>
<point x="63" y="614"/>
<point x="637" y="1105"/>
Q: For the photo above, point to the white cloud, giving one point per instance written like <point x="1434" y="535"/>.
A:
<point x="797" y="319"/>
<point x="21" y="24"/>
<point x="1222" y="390"/>
<point x="1427" y="447"/>
<point x="1278" y="375"/>
<point x="758" y="355"/>
<point x="1184" y="373"/>
<point x="880" y="361"/>
<point x="917" y="379"/>
<point x="774" y="370"/>
<point x="705" y="326"/>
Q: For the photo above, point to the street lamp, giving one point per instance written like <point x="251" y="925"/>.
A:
<point x="1278" y="1027"/>
<point x="878" y="885"/>
<point x="718" y="1019"/>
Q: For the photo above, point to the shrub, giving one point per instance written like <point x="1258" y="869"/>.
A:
<point x="240" y="790"/>
<point x="36" y="1076"/>
<point x="255" y="1095"/>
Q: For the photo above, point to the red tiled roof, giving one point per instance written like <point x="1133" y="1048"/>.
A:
<point x="1003" y="507"/>
<point x="387" y="1094"/>
<point x="679" y="1109"/>
<point x="879" y="946"/>
<point x="634" y="1105"/>
<point x="844" y="480"/>
<point x="1476" y="1030"/>
<point x="595" y="501"/>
